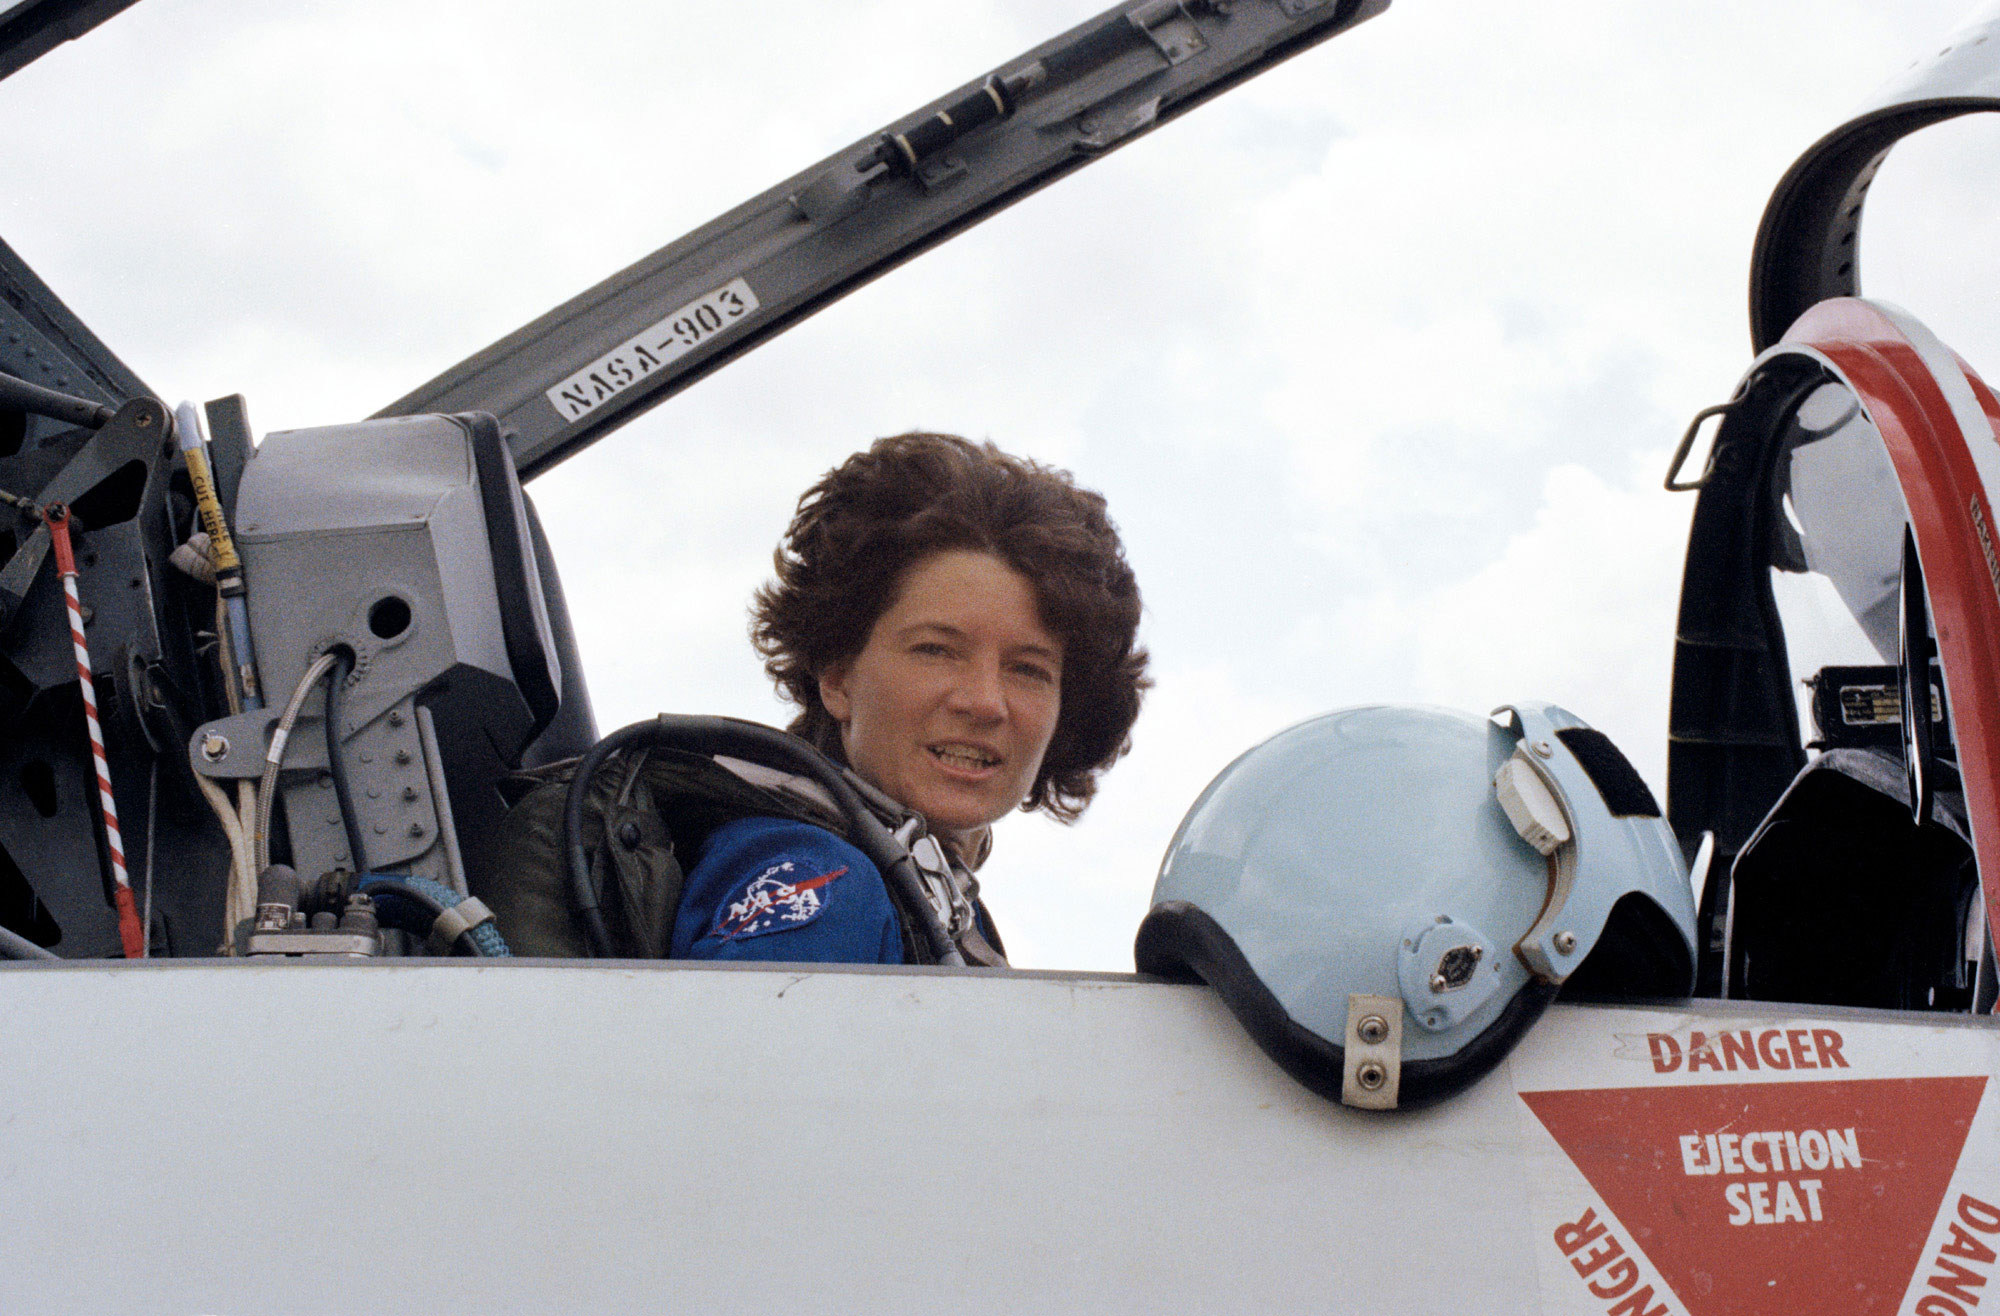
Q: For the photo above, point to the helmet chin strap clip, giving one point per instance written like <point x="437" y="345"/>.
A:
<point x="1374" y="1052"/>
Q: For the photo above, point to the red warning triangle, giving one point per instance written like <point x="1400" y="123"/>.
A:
<point x="1689" y="1172"/>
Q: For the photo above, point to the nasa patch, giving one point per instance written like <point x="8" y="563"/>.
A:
<point x="782" y="896"/>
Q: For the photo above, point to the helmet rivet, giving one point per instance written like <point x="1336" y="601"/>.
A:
<point x="1371" y="1075"/>
<point x="1372" y="1029"/>
<point x="1543" y="749"/>
<point x="1565" y="942"/>
<point x="214" y="748"/>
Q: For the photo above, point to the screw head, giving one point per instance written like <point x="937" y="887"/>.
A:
<point x="1543" y="749"/>
<point x="1371" y="1075"/>
<point x="1565" y="942"/>
<point x="395" y="719"/>
<point x="1372" y="1029"/>
<point x="416" y="829"/>
<point x="214" y="748"/>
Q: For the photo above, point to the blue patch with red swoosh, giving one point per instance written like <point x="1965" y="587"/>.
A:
<point x="785" y="895"/>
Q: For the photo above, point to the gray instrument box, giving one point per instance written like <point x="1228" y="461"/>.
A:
<point x="405" y="540"/>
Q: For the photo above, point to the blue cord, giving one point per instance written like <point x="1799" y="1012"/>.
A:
<point x="486" y="937"/>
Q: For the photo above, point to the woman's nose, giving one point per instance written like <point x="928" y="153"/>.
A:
<point x="978" y="692"/>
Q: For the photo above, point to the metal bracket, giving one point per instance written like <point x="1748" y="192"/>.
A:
<point x="304" y="944"/>
<point x="1374" y="1051"/>
<point x="1169" y="26"/>
<point x="135" y="433"/>
<point x="1103" y="127"/>
<point x="837" y="193"/>
<point x="18" y="576"/>
<point x="233" y="747"/>
<point x="939" y="173"/>
<point x="1550" y="948"/>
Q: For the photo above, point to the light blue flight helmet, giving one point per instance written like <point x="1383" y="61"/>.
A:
<point x="1387" y="897"/>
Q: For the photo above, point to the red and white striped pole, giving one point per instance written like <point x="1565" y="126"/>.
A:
<point x="129" y="932"/>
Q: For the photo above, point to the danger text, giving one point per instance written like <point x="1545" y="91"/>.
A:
<point x="1772" y="1048"/>
<point x="1607" y="1269"/>
<point x="1963" y="1264"/>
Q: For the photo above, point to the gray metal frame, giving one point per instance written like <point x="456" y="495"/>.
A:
<point x="854" y="216"/>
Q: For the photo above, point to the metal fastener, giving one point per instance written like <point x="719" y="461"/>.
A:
<point x="1370" y="1074"/>
<point x="416" y="829"/>
<point x="1565" y="942"/>
<point x="402" y="757"/>
<point x="1372" y="1029"/>
<point x="214" y="748"/>
<point x="409" y="793"/>
<point x="395" y="718"/>
<point x="1543" y="749"/>
<point x="1456" y="967"/>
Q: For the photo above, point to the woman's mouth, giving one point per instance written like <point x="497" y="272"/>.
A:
<point x="964" y="758"/>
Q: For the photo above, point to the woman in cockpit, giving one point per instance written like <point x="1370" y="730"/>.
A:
<point x="957" y="626"/>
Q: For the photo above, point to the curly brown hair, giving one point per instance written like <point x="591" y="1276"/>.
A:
<point x="868" y="521"/>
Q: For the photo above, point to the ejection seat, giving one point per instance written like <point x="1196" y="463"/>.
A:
<point x="1841" y="898"/>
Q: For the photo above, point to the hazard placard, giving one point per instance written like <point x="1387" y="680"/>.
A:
<point x="1722" y="1167"/>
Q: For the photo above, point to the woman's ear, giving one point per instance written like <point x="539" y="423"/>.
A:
<point x="833" y="693"/>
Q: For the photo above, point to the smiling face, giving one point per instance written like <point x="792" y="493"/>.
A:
<point x="950" y="705"/>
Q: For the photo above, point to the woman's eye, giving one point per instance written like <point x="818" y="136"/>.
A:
<point x="1035" y="672"/>
<point x="931" y="648"/>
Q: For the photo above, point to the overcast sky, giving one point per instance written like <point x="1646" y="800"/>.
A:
<point x="1377" y="358"/>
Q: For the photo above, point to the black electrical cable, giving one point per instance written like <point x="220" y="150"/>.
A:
<point x="14" y="946"/>
<point x="582" y="891"/>
<point x="382" y="884"/>
<point x="754" y="741"/>
<point x="377" y="887"/>
<point x="336" y="765"/>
